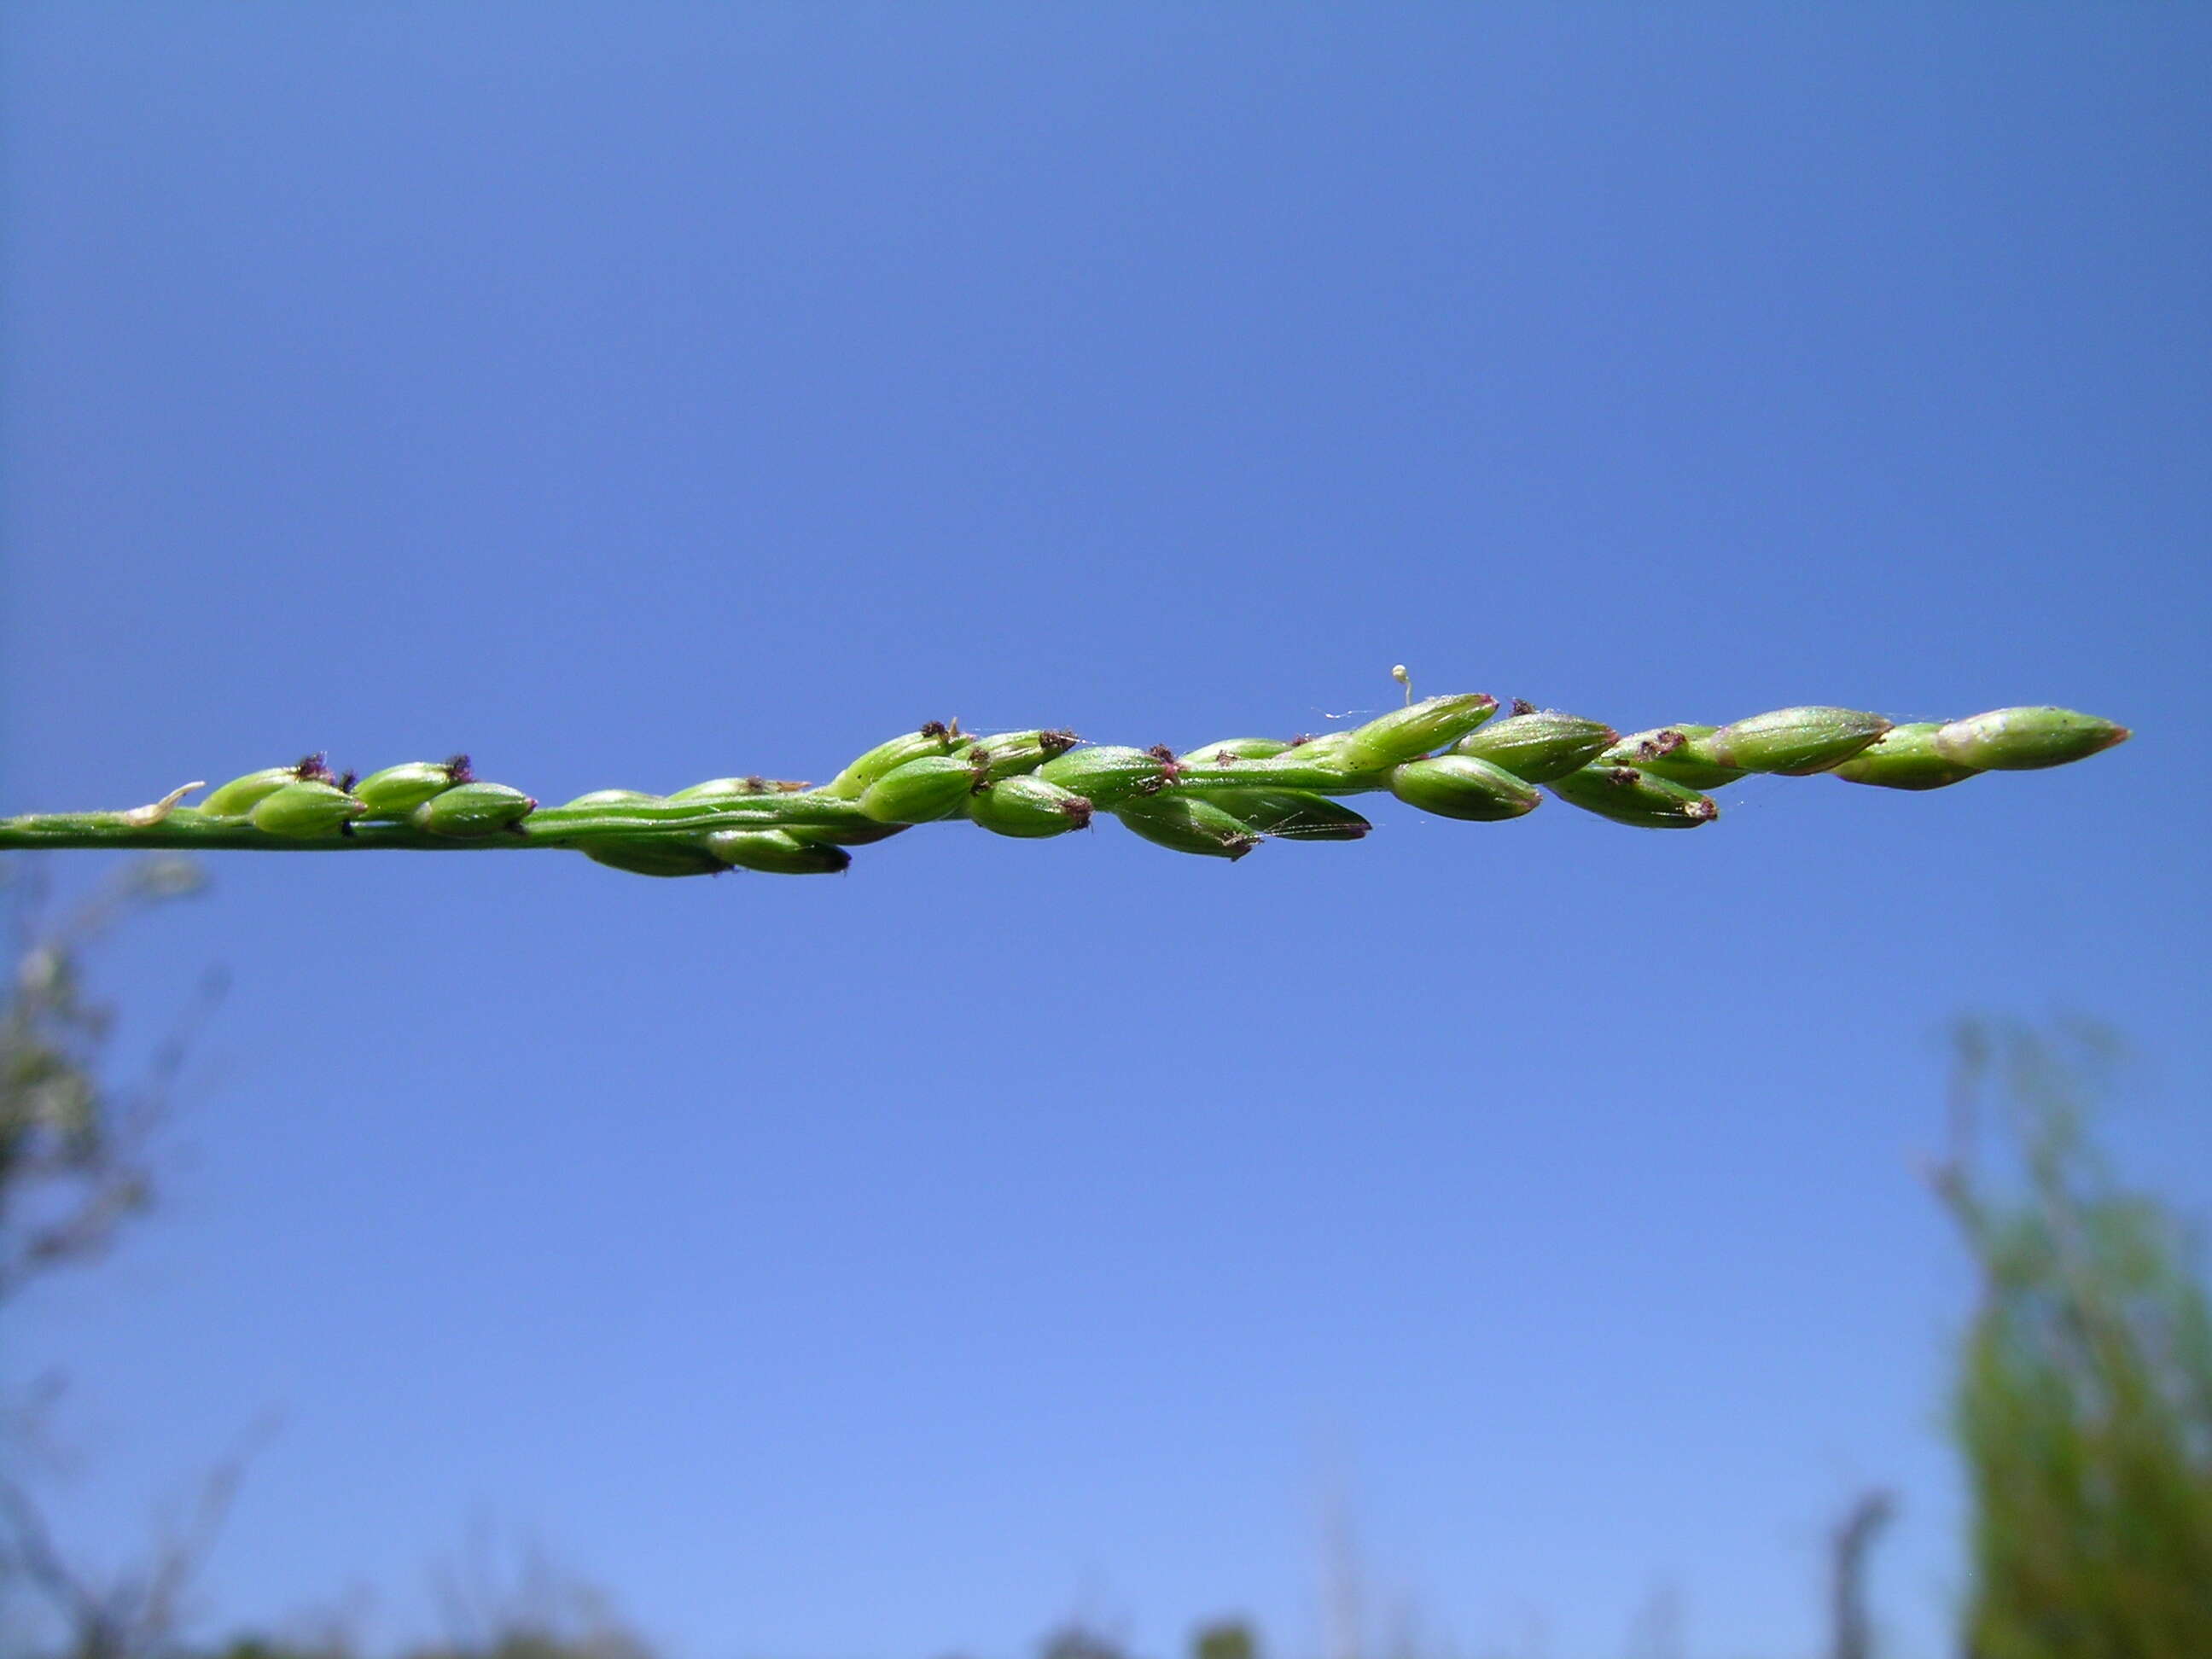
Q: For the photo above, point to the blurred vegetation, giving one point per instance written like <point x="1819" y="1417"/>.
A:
<point x="2083" y="1404"/>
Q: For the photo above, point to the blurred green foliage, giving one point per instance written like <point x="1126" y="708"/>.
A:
<point x="2083" y="1404"/>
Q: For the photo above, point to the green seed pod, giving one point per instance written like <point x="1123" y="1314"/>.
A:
<point x="471" y="810"/>
<point x="238" y="797"/>
<point x="1670" y="752"/>
<point x="1029" y="807"/>
<point x="1290" y="814"/>
<point x="1327" y="765"/>
<point x="1237" y="749"/>
<point x="656" y="855"/>
<point x="1107" y="776"/>
<point x="2024" y="739"/>
<point x="398" y="790"/>
<point x="1464" y="787"/>
<point x="1795" y="742"/>
<point x="1629" y="796"/>
<point x="305" y="811"/>
<point x="1540" y="745"/>
<point x="1905" y="757"/>
<point x="933" y="740"/>
<point x="920" y="792"/>
<point x="1186" y="824"/>
<point x="777" y="852"/>
<point x="1409" y="733"/>
<point x="1010" y="754"/>
<point x="612" y="798"/>
<point x="715" y="788"/>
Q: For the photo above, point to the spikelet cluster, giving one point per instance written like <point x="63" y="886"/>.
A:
<point x="1453" y="757"/>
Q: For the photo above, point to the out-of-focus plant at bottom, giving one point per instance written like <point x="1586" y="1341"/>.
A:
<point x="2083" y="1406"/>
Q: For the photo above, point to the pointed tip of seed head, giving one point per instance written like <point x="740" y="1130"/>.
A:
<point x="314" y="768"/>
<point x="1239" y="846"/>
<point x="1058" y="743"/>
<point x="1704" y="812"/>
<point x="933" y="729"/>
<point x="459" y="770"/>
<point x="2120" y="735"/>
<point x="1522" y="706"/>
<point x="1078" y="811"/>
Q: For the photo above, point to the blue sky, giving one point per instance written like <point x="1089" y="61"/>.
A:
<point x="902" y="1263"/>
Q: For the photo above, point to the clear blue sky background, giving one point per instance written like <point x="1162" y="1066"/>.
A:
<point x="898" y="1264"/>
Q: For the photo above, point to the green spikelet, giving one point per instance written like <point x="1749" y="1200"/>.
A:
<point x="1463" y="787"/>
<point x="1327" y="764"/>
<point x="469" y="810"/>
<point x="1237" y="749"/>
<point x="1027" y="808"/>
<point x="1185" y="823"/>
<point x="2025" y="740"/>
<point x="1107" y="776"/>
<point x="1290" y="814"/>
<point x="921" y="791"/>
<point x="1795" y="742"/>
<point x="933" y="740"/>
<point x="1905" y="757"/>
<point x="656" y="855"/>
<point x="397" y="791"/>
<point x="1009" y="753"/>
<point x="777" y="852"/>
<point x="726" y="788"/>
<point x="305" y="811"/>
<point x="240" y="796"/>
<point x="1407" y="734"/>
<point x="1665" y="752"/>
<point x="1629" y="796"/>
<point x="1537" y="745"/>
